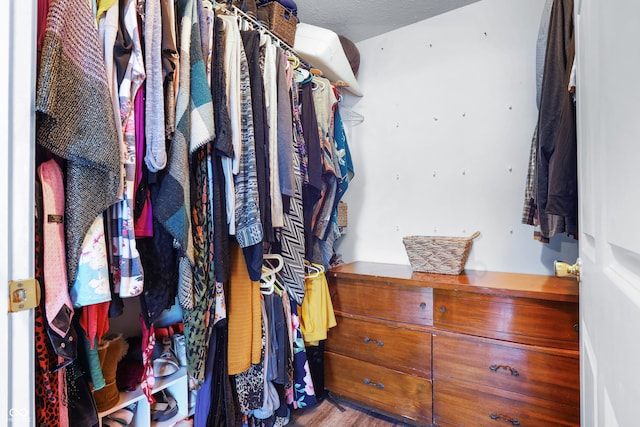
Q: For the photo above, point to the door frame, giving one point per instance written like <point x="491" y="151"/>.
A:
<point x="17" y="163"/>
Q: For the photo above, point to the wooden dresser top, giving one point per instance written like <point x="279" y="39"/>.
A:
<point x="484" y="282"/>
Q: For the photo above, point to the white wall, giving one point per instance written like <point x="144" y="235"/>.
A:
<point x="449" y="106"/>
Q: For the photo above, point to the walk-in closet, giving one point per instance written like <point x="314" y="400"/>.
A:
<point x="289" y="212"/>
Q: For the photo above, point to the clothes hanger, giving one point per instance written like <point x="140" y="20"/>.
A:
<point x="294" y="60"/>
<point x="270" y="282"/>
<point x="267" y="258"/>
<point x="312" y="270"/>
<point x="301" y="75"/>
<point x="348" y="115"/>
<point x="278" y="287"/>
<point x="267" y="281"/>
<point x="339" y="87"/>
<point x="318" y="84"/>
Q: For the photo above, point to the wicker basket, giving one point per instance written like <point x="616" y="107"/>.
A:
<point x="441" y="255"/>
<point x="280" y="20"/>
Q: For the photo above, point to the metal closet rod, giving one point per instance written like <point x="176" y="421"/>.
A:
<point x="231" y="8"/>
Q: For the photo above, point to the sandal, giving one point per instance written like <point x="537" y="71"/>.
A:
<point x="165" y="407"/>
<point x="167" y="363"/>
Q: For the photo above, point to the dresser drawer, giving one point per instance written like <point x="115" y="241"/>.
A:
<point x="395" y="392"/>
<point x="534" y="371"/>
<point x="456" y="404"/>
<point x="395" y="347"/>
<point x="410" y="304"/>
<point x="523" y="320"/>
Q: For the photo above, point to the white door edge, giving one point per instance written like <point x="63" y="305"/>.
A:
<point x="17" y="123"/>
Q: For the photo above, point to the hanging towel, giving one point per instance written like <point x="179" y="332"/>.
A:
<point x="75" y="118"/>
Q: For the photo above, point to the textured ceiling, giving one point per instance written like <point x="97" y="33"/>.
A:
<point x="362" y="19"/>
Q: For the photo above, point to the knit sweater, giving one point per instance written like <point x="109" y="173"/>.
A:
<point x="75" y="118"/>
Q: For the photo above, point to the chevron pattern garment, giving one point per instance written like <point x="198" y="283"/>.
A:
<point x="292" y="234"/>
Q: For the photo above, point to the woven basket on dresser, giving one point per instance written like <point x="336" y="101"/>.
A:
<point x="441" y="255"/>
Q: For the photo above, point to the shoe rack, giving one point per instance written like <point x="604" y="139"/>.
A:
<point x="177" y="384"/>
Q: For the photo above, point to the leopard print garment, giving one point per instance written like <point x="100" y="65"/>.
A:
<point x="250" y="383"/>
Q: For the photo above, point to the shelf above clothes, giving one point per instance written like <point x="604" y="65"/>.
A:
<point x="322" y="48"/>
<point x="314" y="46"/>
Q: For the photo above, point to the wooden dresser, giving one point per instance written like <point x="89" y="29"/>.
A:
<point x="478" y="349"/>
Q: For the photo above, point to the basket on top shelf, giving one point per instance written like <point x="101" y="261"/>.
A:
<point x="441" y="255"/>
<point x="280" y="20"/>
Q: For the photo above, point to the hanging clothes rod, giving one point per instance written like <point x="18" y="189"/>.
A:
<point x="229" y="8"/>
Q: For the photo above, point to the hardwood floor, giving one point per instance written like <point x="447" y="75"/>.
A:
<point x="338" y="413"/>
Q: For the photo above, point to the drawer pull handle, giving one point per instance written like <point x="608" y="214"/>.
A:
<point x="504" y="418"/>
<point x="513" y="371"/>
<point x="576" y="327"/>
<point x="367" y="381"/>
<point x="368" y="340"/>
<point x="443" y="309"/>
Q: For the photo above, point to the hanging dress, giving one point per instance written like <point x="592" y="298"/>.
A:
<point x="292" y="236"/>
